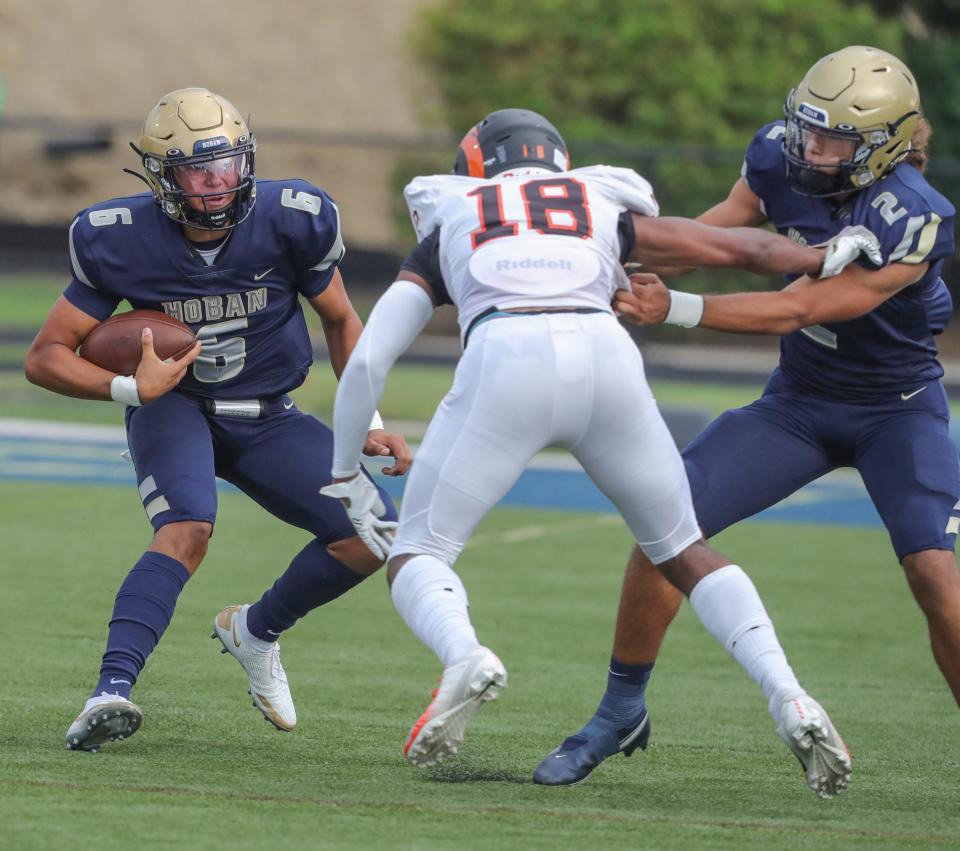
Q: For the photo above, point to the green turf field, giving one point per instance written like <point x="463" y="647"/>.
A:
<point x="206" y="771"/>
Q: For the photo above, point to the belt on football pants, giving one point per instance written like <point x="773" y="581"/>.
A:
<point x="248" y="409"/>
<point x="495" y="312"/>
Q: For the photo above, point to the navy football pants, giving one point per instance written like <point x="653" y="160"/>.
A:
<point x="281" y="462"/>
<point x="750" y="458"/>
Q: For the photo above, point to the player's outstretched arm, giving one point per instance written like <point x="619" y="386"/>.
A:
<point x="398" y="317"/>
<point x="342" y="329"/>
<point x="670" y="242"/>
<point x="741" y="208"/>
<point x="52" y="361"/>
<point x="396" y="320"/>
<point x="807" y="301"/>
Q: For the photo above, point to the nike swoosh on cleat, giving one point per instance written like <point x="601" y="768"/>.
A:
<point x="263" y="274"/>
<point x="233" y="629"/>
<point x="906" y="396"/>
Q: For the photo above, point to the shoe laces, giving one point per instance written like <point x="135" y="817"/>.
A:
<point x="276" y="668"/>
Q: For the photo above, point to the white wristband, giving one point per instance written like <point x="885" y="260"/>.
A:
<point x="376" y="424"/>
<point x="686" y="309"/>
<point x="123" y="389"/>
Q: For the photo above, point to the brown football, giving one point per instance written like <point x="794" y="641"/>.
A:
<point x="115" y="343"/>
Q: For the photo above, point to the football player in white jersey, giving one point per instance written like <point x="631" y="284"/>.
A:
<point x="531" y="253"/>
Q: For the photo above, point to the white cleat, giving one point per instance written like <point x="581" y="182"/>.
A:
<point x="105" y="718"/>
<point x="268" y="680"/>
<point x="807" y="731"/>
<point x="439" y="732"/>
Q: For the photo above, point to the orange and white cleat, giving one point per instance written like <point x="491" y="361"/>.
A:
<point x="806" y="729"/>
<point x="464" y="687"/>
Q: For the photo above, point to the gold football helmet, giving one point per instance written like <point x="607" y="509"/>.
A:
<point x="860" y="95"/>
<point x="198" y="159"/>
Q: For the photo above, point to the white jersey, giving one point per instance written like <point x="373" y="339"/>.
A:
<point x="531" y="239"/>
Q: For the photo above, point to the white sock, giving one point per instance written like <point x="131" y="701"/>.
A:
<point x="257" y="644"/>
<point x="729" y="606"/>
<point x="432" y="600"/>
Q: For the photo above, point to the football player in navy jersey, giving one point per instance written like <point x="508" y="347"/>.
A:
<point x="858" y="383"/>
<point x="231" y="256"/>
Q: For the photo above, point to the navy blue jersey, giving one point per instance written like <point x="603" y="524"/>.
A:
<point x="890" y="349"/>
<point x="245" y="306"/>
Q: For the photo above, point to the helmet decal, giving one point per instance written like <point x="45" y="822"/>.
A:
<point x="511" y="138"/>
<point x="472" y="153"/>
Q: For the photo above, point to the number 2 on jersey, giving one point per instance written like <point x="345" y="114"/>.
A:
<point x="554" y="206"/>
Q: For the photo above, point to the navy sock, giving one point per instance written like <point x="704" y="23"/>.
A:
<point x="624" y="700"/>
<point x="313" y="579"/>
<point x="141" y="614"/>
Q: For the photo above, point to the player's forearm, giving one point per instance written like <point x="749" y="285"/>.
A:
<point x="754" y="313"/>
<point x="767" y="253"/>
<point x="358" y="394"/>
<point x="394" y="324"/>
<point x="55" y="367"/>
<point x="342" y="336"/>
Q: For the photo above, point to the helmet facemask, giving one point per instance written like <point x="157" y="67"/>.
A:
<point x="845" y="152"/>
<point x="193" y="188"/>
<point x="822" y="161"/>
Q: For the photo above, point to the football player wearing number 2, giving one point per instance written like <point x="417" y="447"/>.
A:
<point x="229" y="255"/>
<point x="858" y="382"/>
<point x="531" y="253"/>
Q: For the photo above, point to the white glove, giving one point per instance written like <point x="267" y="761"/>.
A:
<point x="846" y="247"/>
<point x="365" y="510"/>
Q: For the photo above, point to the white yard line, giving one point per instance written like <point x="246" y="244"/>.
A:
<point x="42" y="430"/>
<point x="66" y="432"/>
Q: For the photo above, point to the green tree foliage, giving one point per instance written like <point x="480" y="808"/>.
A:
<point x="673" y="88"/>
<point x="701" y="72"/>
<point x="932" y="50"/>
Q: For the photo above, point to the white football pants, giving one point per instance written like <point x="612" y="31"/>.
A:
<point x="527" y="382"/>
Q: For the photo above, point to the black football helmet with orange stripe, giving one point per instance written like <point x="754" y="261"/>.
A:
<point x="511" y="139"/>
